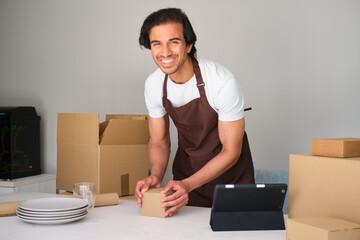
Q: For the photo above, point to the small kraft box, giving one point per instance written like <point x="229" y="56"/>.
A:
<point x="324" y="186"/>
<point x="321" y="228"/>
<point x="151" y="203"/>
<point x="336" y="147"/>
<point x="113" y="154"/>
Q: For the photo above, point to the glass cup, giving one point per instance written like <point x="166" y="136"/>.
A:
<point x="87" y="191"/>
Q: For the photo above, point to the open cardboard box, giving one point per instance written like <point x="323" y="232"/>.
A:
<point x="112" y="154"/>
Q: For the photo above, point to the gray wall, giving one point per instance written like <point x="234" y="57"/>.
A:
<point x="297" y="62"/>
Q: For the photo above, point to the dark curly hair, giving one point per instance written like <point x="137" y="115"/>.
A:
<point x="168" y="15"/>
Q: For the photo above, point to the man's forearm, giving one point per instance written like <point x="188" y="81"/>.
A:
<point x="213" y="169"/>
<point x="159" y="158"/>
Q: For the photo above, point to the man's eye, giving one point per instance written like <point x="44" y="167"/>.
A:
<point x="174" y="42"/>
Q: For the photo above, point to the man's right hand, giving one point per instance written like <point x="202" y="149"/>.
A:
<point x="144" y="185"/>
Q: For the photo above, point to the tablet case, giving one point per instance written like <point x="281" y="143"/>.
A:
<point x="248" y="207"/>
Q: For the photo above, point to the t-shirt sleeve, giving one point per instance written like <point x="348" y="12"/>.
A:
<point x="153" y="99"/>
<point x="230" y="101"/>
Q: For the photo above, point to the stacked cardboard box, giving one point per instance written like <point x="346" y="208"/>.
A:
<point x="322" y="228"/>
<point x="113" y="154"/>
<point x="325" y="185"/>
<point x="336" y="147"/>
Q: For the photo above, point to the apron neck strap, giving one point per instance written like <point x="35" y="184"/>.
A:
<point x="199" y="80"/>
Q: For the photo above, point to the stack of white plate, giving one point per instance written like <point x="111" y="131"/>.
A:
<point x="52" y="210"/>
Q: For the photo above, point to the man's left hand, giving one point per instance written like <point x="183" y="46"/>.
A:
<point x="178" y="199"/>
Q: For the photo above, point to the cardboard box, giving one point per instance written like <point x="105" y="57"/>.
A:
<point x="321" y="228"/>
<point x="324" y="186"/>
<point x="336" y="147"/>
<point x="151" y="203"/>
<point x="113" y="154"/>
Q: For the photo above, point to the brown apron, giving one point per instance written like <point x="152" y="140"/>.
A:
<point x="198" y="143"/>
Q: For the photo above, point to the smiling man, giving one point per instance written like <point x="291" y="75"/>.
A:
<point x="205" y="103"/>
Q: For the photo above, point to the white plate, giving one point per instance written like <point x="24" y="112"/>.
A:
<point x="49" y="218"/>
<point x="50" y="214"/>
<point x="53" y="204"/>
<point x="58" y="213"/>
<point x="36" y="221"/>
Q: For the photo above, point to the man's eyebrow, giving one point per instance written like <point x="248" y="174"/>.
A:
<point x="171" y="39"/>
<point x="154" y="41"/>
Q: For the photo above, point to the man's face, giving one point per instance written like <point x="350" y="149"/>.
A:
<point x="168" y="47"/>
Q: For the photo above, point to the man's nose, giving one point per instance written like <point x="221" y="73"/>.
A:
<point x="166" y="50"/>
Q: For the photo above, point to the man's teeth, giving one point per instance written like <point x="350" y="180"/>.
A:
<point x="167" y="61"/>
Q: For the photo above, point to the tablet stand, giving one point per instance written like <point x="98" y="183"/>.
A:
<point x="236" y="221"/>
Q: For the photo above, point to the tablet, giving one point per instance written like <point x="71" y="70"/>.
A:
<point x="248" y="207"/>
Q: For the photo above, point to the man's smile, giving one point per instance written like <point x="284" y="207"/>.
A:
<point x="167" y="61"/>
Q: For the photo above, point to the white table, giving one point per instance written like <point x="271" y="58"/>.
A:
<point x="124" y="221"/>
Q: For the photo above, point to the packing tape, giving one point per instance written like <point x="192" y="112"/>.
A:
<point x="106" y="199"/>
<point x="8" y="208"/>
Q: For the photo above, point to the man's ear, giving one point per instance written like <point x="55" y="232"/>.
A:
<point x="189" y="47"/>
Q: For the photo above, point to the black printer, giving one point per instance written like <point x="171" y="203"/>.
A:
<point x="19" y="142"/>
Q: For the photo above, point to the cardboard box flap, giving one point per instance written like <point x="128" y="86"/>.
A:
<point x="78" y="128"/>
<point x="126" y="131"/>
<point x="102" y="128"/>
<point x="126" y="116"/>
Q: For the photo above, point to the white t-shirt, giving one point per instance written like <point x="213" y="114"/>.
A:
<point x="221" y="87"/>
